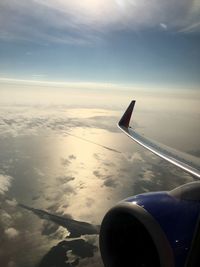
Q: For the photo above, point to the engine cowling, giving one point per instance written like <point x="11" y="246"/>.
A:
<point x="153" y="229"/>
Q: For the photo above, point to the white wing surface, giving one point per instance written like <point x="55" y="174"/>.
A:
<point x="186" y="162"/>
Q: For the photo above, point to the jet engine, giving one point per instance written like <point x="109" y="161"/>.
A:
<point x="153" y="230"/>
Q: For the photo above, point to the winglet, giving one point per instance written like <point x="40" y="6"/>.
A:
<point x="127" y="115"/>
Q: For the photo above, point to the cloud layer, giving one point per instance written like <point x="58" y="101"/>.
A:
<point x="67" y="176"/>
<point x="82" y="22"/>
<point x="72" y="177"/>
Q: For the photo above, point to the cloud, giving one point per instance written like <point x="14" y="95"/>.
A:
<point x="133" y="157"/>
<point x="32" y="120"/>
<point x="61" y="84"/>
<point x="12" y="202"/>
<point x="82" y="22"/>
<point x="97" y="156"/>
<point x="110" y="182"/>
<point x="98" y="174"/>
<point x="191" y="28"/>
<point x="65" y="162"/>
<point x="49" y="228"/>
<point x="11" y="233"/>
<point x="71" y="157"/>
<point x="5" y="183"/>
<point x="163" y="25"/>
<point x="89" y="202"/>
<point x="6" y="219"/>
<point x="65" y="179"/>
<point x="148" y="175"/>
<point x="160" y="177"/>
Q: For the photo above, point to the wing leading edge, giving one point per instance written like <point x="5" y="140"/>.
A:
<point x="182" y="160"/>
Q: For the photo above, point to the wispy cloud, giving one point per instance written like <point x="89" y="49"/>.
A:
<point x="191" y="28"/>
<point x="163" y="25"/>
<point x="82" y="22"/>
<point x="73" y="85"/>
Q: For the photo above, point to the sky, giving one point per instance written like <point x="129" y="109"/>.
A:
<point x="151" y="43"/>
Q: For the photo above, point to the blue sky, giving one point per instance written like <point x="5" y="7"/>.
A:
<point x="116" y="41"/>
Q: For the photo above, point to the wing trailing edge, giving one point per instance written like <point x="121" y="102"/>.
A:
<point x="182" y="160"/>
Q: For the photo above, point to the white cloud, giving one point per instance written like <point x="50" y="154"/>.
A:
<point x="11" y="233"/>
<point x="81" y="22"/>
<point x="163" y="25"/>
<point x="5" y="183"/>
<point x="5" y="218"/>
<point x="148" y="175"/>
<point x="12" y="203"/>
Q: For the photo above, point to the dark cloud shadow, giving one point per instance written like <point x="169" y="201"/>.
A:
<point x="110" y="182"/>
<point x="58" y="255"/>
<point x="76" y="228"/>
<point x="67" y="253"/>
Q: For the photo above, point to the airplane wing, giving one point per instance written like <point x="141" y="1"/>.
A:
<point x="184" y="161"/>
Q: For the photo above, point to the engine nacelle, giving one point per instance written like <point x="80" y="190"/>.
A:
<point x="153" y="230"/>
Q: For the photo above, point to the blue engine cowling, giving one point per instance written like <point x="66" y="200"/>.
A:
<point x="152" y="229"/>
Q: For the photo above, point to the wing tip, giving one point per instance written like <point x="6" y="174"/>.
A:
<point x="125" y="119"/>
